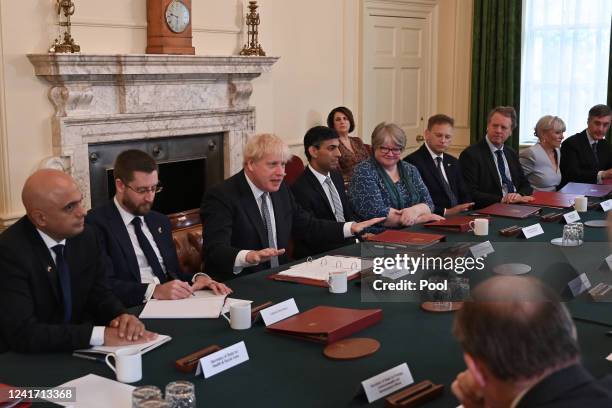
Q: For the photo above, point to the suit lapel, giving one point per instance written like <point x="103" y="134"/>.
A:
<point x="120" y="231"/>
<point x="43" y="257"/>
<point x="312" y="179"/>
<point x="250" y="207"/>
<point x="488" y="158"/>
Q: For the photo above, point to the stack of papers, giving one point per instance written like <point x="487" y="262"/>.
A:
<point x="93" y="391"/>
<point x="319" y="269"/>
<point x="204" y="305"/>
<point x="143" y="347"/>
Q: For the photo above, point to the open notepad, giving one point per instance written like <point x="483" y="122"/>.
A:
<point x="204" y="305"/>
<point x="319" y="269"/>
<point x="143" y="347"/>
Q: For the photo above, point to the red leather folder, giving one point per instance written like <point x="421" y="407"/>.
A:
<point x="553" y="199"/>
<point x="585" y="189"/>
<point x="460" y="223"/>
<point x="509" y="210"/>
<point x="306" y="281"/>
<point x="326" y="324"/>
<point x="407" y="238"/>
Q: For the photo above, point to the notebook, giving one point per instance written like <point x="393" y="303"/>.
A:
<point x="585" y="189"/>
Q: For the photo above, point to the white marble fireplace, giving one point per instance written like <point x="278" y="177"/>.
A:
<point x="111" y="98"/>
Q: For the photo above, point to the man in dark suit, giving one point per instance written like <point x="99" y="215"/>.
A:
<point x="249" y="218"/>
<point x="320" y="188"/>
<point x="440" y="171"/>
<point x="491" y="171"/>
<point x="586" y="156"/>
<point x="521" y="350"/>
<point x="139" y="240"/>
<point x="54" y="295"/>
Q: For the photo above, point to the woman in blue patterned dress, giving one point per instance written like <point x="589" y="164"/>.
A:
<point x="386" y="186"/>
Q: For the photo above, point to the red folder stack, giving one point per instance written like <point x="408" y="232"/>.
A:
<point x="509" y="210"/>
<point x="459" y="223"/>
<point x="326" y="324"/>
<point x="407" y="238"/>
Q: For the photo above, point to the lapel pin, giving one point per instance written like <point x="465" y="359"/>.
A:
<point x="49" y="268"/>
<point x="159" y="229"/>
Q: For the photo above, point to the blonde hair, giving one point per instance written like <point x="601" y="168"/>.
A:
<point x="391" y="130"/>
<point x="548" y="122"/>
<point x="265" y="143"/>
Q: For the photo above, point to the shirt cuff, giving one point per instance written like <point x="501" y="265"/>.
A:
<point x="599" y="176"/>
<point x="149" y="292"/>
<point x="195" y="276"/>
<point x="346" y="229"/>
<point x="240" y="262"/>
<point x="97" y="336"/>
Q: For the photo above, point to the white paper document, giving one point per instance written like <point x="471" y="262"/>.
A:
<point x="143" y="347"/>
<point x="93" y="391"/>
<point x="320" y="268"/>
<point x="204" y="305"/>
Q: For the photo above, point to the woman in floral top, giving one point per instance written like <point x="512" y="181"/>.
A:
<point x="385" y="186"/>
<point x="352" y="148"/>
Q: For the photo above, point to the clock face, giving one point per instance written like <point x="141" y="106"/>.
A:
<point x="177" y="16"/>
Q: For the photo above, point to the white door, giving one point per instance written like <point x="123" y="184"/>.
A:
<point x="397" y="77"/>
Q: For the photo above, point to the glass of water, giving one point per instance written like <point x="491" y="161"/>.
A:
<point x="181" y="394"/>
<point x="570" y="235"/>
<point x="144" y="393"/>
<point x="154" y="403"/>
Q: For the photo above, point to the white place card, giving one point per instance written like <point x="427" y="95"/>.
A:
<point x="387" y="382"/>
<point x="279" y="311"/>
<point x="482" y="250"/>
<point x="606" y="205"/>
<point x="571" y="216"/>
<point x="609" y="261"/>
<point x="579" y="284"/>
<point x="532" y="230"/>
<point x="222" y="360"/>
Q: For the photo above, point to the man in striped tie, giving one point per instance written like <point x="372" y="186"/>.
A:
<point x="320" y="188"/>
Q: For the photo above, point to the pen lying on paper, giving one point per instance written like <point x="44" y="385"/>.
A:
<point x="88" y="357"/>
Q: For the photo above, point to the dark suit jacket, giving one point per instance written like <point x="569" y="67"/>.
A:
<point x="31" y="298"/>
<point x="577" y="161"/>
<point x="429" y="173"/>
<point x="481" y="176"/>
<point x="124" y="277"/>
<point x="309" y="194"/>
<point x="232" y="222"/>
<point x="570" y="387"/>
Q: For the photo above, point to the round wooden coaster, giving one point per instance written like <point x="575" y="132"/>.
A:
<point x="348" y="349"/>
<point x="441" y="307"/>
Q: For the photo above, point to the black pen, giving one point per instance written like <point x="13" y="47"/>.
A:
<point x="89" y="357"/>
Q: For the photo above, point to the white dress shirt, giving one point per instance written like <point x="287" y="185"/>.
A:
<point x="146" y="272"/>
<point x="97" y="334"/>
<point x="441" y="156"/>
<point x="506" y="167"/>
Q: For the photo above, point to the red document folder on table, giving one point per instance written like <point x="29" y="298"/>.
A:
<point x="326" y="324"/>
<point x="459" y="224"/>
<point x="553" y="199"/>
<point x="585" y="189"/>
<point x="509" y="210"/>
<point x="406" y="238"/>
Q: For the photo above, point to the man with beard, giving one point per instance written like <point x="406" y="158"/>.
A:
<point x="139" y="241"/>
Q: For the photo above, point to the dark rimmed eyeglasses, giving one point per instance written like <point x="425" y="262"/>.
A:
<point x="144" y="190"/>
<point x="394" y="150"/>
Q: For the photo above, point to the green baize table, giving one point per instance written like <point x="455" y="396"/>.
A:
<point x="286" y="372"/>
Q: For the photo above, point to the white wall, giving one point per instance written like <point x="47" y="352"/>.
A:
<point x="317" y="42"/>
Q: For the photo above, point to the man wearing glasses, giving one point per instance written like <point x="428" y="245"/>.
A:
<point x="139" y="241"/>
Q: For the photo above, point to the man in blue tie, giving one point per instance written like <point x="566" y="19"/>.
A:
<point x="139" y="240"/>
<point x="54" y="295"/>
<point x="492" y="171"/>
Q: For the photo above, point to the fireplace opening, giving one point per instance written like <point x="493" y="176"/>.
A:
<point x="188" y="165"/>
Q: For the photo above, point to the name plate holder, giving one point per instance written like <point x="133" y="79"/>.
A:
<point x="189" y="363"/>
<point x="414" y="395"/>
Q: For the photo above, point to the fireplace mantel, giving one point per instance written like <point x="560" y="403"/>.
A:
<point x="109" y="98"/>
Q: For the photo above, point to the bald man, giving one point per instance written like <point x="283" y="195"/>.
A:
<point x="54" y="296"/>
<point x="521" y="350"/>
